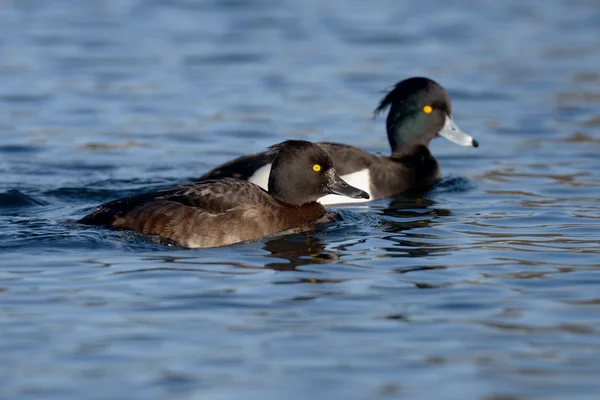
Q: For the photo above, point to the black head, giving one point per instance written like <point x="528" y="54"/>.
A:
<point x="302" y="172"/>
<point x="420" y="110"/>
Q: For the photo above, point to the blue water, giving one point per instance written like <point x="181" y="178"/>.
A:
<point x="486" y="287"/>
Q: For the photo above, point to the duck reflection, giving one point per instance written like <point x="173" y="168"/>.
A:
<point x="402" y="217"/>
<point x="416" y="206"/>
<point x="288" y="253"/>
<point x="294" y="252"/>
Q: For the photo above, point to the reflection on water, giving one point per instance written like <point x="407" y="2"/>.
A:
<point x="297" y="252"/>
<point x="408" y="218"/>
<point x="485" y="286"/>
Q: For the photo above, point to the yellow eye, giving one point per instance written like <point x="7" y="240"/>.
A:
<point x="316" y="167"/>
<point x="427" y="109"/>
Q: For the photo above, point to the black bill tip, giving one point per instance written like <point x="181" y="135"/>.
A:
<point x="340" y="187"/>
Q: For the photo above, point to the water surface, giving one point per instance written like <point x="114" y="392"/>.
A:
<point x="485" y="287"/>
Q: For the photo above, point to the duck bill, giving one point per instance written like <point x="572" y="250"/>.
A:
<point x="338" y="186"/>
<point x="453" y="133"/>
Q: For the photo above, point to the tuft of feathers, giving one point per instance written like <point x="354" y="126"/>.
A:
<point x="403" y="88"/>
<point x="386" y="101"/>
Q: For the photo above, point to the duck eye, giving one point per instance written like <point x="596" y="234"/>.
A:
<point x="316" y="167"/>
<point x="427" y="109"/>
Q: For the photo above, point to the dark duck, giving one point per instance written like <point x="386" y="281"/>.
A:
<point x="420" y="110"/>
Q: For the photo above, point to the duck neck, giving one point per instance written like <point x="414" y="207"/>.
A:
<point x="297" y="215"/>
<point x="409" y="149"/>
<point x="420" y="161"/>
<point x="405" y="140"/>
<point x="414" y="156"/>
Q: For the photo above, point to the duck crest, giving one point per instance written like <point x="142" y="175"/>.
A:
<point x="386" y="101"/>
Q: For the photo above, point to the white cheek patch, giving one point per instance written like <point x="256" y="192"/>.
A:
<point x="261" y="176"/>
<point x="359" y="179"/>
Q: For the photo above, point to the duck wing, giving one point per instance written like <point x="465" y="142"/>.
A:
<point x="209" y="197"/>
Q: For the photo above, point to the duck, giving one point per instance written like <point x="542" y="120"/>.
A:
<point x="223" y="211"/>
<point x="420" y="110"/>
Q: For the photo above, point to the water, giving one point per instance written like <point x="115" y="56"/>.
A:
<point x="486" y="287"/>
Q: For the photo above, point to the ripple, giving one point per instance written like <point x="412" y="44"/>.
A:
<point x="18" y="148"/>
<point x="16" y="198"/>
<point x="20" y="98"/>
<point x="454" y="184"/>
<point x="109" y="146"/>
<point x="224" y="59"/>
